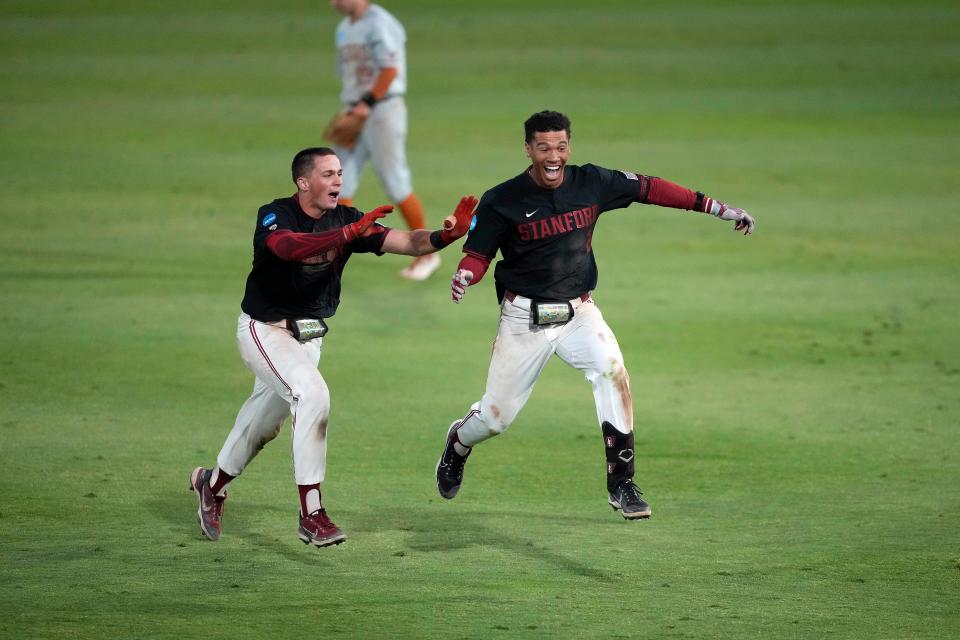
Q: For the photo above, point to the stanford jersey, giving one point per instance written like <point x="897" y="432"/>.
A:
<point x="544" y="235"/>
<point x="279" y="289"/>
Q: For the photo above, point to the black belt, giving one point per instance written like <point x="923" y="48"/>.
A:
<point x="511" y="296"/>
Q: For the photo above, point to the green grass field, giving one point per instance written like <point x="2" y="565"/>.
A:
<point x="797" y="393"/>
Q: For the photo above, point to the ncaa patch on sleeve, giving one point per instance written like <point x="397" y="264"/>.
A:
<point x="269" y="219"/>
<point x="630" y="175"/>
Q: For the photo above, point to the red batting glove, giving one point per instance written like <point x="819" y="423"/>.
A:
<point x="457" y="225"/>
<point x="359" y="228"/>
<point x="461" y="280"/>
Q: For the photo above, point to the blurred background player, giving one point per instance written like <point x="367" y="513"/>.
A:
<point x="542" y="222"/>
<point x="371" y="63"/>
<point x="301" y="245"/>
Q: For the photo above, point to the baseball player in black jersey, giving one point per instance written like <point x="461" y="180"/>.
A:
<point x="300" y="247"/>
<point x="542" y="224"/>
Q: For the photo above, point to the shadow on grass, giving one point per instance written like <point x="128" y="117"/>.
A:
<point x="425" y="529"/>
<point x="435" y="529"/>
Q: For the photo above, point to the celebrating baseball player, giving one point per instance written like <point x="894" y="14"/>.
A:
<point x="542" y="223"/>
<point x="371" y="63"/>
<point x="301" y="245"/>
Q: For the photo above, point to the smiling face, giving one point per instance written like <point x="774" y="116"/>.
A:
<point x="548" y="152"/>
<point x="319" y="188"/>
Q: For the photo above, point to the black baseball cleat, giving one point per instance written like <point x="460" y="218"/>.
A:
<point x="626" y="498"/>
<point x="450" y="467"/>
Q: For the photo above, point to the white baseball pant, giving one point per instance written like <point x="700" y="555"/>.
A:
<point x="383" y="142"/>
<point x="287" y="382"/>
<point x="521" y="351"/>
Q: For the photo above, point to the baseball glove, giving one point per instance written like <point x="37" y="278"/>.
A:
<point x="344" y="129"/>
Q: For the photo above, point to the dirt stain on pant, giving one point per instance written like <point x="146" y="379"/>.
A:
<point x="621" y="381"/>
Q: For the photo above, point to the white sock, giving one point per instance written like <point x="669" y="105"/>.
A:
<point x="313" y="501"/>
<point x="213" y="481"/>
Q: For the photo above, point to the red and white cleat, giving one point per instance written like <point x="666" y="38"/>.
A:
<point x="210" y="511"/>
<point x="319" y="530"/>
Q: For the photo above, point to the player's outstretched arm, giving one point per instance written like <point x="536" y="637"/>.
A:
<point x="664" y="193"/>
<point x="293" y="246"/>
<point x="423" y="241"/>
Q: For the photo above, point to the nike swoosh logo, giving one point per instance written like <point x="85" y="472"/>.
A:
<point x="532" y="212"/>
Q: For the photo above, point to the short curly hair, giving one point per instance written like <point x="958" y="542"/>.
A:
<point x="546" y="121"/>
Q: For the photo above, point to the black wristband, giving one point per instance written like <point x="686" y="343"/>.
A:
<point x="436" y="239"/>
<point x="698" y="205"/>
<point x="369" y="99"/>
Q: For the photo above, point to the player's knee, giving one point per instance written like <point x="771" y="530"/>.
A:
<point x="614" y="369"/>
<point x="613" y="377"/>
<point x="397" y="186"/>
<point x="272" y="433"/>
<point x="398" y="195"/>
<point x="313" y="404"/>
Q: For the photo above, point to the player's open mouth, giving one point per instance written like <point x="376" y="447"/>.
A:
<point x="552" y="171"/>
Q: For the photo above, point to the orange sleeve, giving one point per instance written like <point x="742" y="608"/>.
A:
<point x="382" y="84"/>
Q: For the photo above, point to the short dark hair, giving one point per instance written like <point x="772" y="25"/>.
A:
<point x="303" y="161"/>
<point x="546" y="121"/>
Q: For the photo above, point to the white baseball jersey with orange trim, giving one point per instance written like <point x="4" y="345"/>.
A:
<point x="375" y="41"/>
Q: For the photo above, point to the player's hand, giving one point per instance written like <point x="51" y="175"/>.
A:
<point x="456" y="226"/>
<point x="359" y="228"/>
<point x="746" y="224"/>
<point x="743" y="221"/>
<point x="361" y="109"/>
<point x="461" y="280"/>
